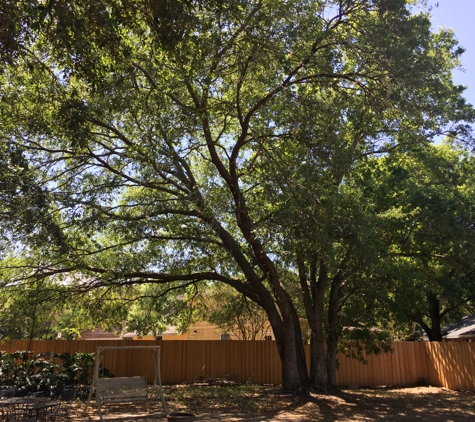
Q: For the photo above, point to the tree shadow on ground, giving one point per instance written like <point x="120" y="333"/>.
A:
<point x="415" y="404"/>
<point x="256" y="404"/>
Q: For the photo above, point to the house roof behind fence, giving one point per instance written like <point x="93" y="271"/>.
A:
<point x="463" y="328"/>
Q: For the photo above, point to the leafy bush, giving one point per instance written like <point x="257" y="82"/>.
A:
<point x="422" y="382"/>
<point x="47" y="371"/>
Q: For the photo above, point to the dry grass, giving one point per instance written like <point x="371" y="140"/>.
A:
<point x="257" y="403"/>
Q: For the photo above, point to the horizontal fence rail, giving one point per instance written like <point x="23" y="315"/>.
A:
<point x="450" y="365"/>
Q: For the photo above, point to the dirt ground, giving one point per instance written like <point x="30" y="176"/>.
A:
<point x="253" y="403"/>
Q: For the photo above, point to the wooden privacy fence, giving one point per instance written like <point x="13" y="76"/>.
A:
<point x="450" y="365"/>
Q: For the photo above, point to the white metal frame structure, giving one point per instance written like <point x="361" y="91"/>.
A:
<point x="157" y="379"/>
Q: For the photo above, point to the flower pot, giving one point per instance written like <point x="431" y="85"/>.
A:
<point x="180" y="417"/>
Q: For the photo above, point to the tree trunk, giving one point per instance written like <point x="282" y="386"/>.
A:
<point x="332" y="348"/>
<point x="318" y="367"/>
<point x="434" y="331"/>
<point x="435" y="317"/>
<point x="301" y="358"/>
<point x="287" y="337"/>
<point x="332" y="337"/>
<point x="291" y="376"/>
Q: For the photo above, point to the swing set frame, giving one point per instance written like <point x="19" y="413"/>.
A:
<point x="157" y="379"/>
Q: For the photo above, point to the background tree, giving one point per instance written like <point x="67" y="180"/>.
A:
<point x="153" y="308"/>
<point x="425" y="197"/>
<point x="222" y="155"/>
<point x="26" y="314"/>
<point x="231" y="312"/>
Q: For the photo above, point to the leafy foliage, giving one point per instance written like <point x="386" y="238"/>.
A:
<point x="188" y="142"/>
<point x="232" y="312"/>
<point x="425" y="200"/>
<point x="24" y="204"/>
<point x="47" y="371"/>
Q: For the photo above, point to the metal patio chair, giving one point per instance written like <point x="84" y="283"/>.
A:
<point x="7" y="391"/>
<point x="38" y="406"/>
<point x="63" y="409"/>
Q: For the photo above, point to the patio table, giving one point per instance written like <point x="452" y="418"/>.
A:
<point x="37" y="407"/>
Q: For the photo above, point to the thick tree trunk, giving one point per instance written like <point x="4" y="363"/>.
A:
<point x="291" y="377"/>
<point x="332" y="337"/>
<point x="288" y="340"/>
<point x="294" y="377"/>
<point x="434" y="331"/>
<point x="332" y="348"/>
<point x="433" y="334"/>
<point x="318" y="367"/>
<point x="435" y="317"/>
<point x="313" y="291"/>
<point x="301" y="358"/>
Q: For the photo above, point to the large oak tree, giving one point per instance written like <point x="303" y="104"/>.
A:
<point x="178" y="142"/>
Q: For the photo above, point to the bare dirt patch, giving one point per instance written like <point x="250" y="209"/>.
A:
<point x="257" y="403"/>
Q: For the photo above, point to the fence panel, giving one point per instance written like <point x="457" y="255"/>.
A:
<point x="450" y="365"/>
<point x="403" y="367"/>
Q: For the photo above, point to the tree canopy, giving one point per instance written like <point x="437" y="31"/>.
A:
<point x="425" y="197"/>
<point x="186" y="141"/>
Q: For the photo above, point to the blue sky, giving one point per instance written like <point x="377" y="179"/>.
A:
<point x="460" y="16"/>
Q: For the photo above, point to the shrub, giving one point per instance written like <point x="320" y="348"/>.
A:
<point x="422" y="382"/>
<point x="47" y="371"/>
